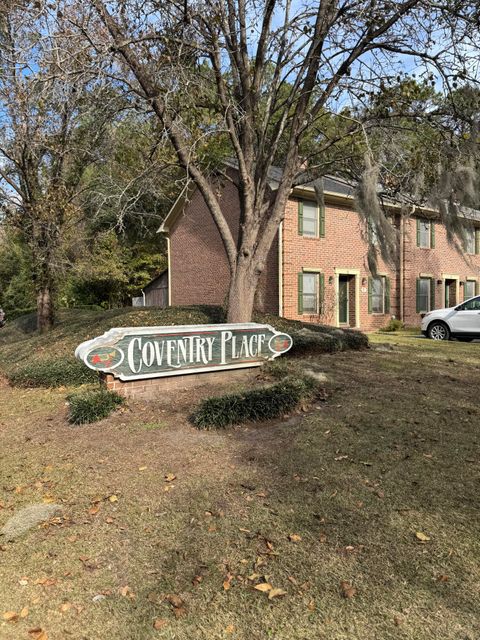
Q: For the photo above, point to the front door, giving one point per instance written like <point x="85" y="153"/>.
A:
<point x="343" y="291"/>
<point x="450" y="293"/>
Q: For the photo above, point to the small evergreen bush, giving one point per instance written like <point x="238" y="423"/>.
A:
<point x="393" y="325"/>
<point x="51" y="373"/>
<point x="90" y="406"/>
<point x="254" y="405"/>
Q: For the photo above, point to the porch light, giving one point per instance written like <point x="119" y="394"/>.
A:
<point x="439" y="281"/>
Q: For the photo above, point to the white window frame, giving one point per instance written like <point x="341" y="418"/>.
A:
<point x="467" y="283"/>
<point x="382" y="294"/>
<point x="306" y="205"/>
<point x="427" y="230"/>
<point x="315" y="295"/>
<point x="429" y="295"/>
<point x="470" y="241"/>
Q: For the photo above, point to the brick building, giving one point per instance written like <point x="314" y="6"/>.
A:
<point x="317" y="267"/>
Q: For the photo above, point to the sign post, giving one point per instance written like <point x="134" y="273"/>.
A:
<point x="152" y="352"/>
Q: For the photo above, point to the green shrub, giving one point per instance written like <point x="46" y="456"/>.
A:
<point x="393" y="325"/>
<point x="254" y="405"/>
<point x="90" y="406"/>
<point x="51" y="373"/>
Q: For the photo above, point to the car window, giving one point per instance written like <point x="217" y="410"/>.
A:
<point x="471" y="305"/>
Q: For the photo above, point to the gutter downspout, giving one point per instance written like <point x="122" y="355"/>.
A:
<point x="144" y="299"/>
<point x="169" y="266"/>
<point x="401" y="308"/>
<point x="280" y="269"/>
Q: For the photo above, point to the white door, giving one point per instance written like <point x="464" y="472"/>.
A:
<point x="466" y="318"/>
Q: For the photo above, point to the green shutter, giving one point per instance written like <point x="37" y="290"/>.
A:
<point x="477" y="241"/>
<point x="321" y="292"/>
<point x="322" y="220"/>
<point x="432" y="294"/>
<point x="300" y="218"/>
<point x="300" y="292"/>
<point x="370" y="295"/>
<point x="418" y="296"/>
<point x="387" y="295"/>
<point x="432" y="234"/>
<point x="418" y="232"/>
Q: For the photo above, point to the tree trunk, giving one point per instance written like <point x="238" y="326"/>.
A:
<point x="45" y="309"/>
<point x="241" y="295"/>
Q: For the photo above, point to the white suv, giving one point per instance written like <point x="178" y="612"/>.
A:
<point x="461" y="322"/>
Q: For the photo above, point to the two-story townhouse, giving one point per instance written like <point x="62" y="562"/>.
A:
<point x="317" y="268"/>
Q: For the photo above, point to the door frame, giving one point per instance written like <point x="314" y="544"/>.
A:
<point x="356" y="274"/>
<point x="448" y="276"/>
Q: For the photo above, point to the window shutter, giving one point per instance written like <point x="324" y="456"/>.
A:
<point x="418" y="296"/>
<point x="321" y="292"/>
<point x="300" y="218"/>
<point x="477" y="241"/>
<point x="370" y="295"/>
<point x="476" y="287"/>
<point x="432" y="294"/>
<point x="387" y="296"/>
<point x="300" y="292"/>
<point x="322" y="220"/>
<point x="432" y="234"/>
<point x="418" y="232"/>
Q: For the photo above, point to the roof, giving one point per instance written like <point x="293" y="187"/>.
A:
<point x="335" y="189"/>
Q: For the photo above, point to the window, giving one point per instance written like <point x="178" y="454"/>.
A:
<point x="379" y="295"/>
<point x="470" y="240"/>
<point x="425" y="294"/>
<point x="310" y="292"/>
<point x="425" y="234"/>
<point x="472" y="305"/>
<point x="311" y="287"/>
<point x="470" y="289"/>
<point x="311" y="219"/>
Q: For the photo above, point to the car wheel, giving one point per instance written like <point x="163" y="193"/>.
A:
<point x="438" y="331"/>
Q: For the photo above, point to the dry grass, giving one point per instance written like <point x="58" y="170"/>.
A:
<point x="393" y="451"/>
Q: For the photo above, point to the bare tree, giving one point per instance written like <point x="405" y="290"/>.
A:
<point x="259" y="79"/>
<point x="53" y="113"/>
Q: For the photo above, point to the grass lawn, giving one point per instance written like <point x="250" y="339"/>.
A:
<point x="169" y="526"/>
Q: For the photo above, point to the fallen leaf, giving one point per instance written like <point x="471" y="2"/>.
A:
<point x="311" y="605"/>
<point x="253" y="577"/>
<point x="322" y="538"/>
<point x="113" y="498"/>
<point x="226" y="585"/>
<point x="264" y="586"/>
<point x="397" y="620"/>
<point x="144" y="469"/>
<point x="442" y="578"/>
<point x="24" y="612"/>
<point x="10" y="616"/>
<point x="229" y="629"/>
<point x="66" y="606"/>
<point x="348" y="591"/>
<point x="294" y="537"/>
<point x="422" y="536"/>
<point x="23" y="582"/>
<point x="160" y="623"/>
<point x="179" y="612"/>
<point x="39" y="634"/>
<point x="170" y="477"/>
<point x="276" y="593"/>
<point x="175" y="601"/>
<point x="94" y="510"/>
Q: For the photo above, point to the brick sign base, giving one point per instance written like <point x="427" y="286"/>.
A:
<point x="155" y="388"/>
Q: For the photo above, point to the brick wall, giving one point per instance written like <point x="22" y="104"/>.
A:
<point x="343" y="249"/>
<point x="198" y="261"/>
<point x="154" y="388"/>
<point x="443" y="260"/>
